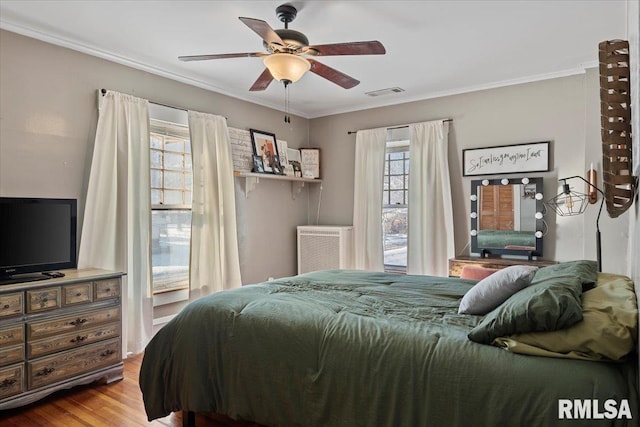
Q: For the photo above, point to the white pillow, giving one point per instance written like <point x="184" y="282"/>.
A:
<point x="495" y="289"/>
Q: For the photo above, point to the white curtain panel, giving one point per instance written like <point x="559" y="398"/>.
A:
<point x="215" y="264"/>
<point x="367" y="199"/>
<point x="116" y="227"/>
<point x="430" y="239"/>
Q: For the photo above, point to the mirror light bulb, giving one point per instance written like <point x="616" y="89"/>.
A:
<point x="473" y="197"/>
<point x="485" y="182"/>
<point x="504" y="181"/>
<point x="525" y="181"/>
<point x="474" y="215"/>
<point x="538" y="215"/>
<point x="474" y="232"/>
<point x="538" y="234"/>
<point x="539" y="196"/>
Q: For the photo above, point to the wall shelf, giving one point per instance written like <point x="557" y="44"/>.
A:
<point x="252" y="178"/>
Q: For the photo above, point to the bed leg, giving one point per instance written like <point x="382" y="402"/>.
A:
<point x="188" y="419"/>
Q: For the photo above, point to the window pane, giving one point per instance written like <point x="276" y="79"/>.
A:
<point x="396" y="167"/>
<point x="156" y="141"/>
<point x="173" y="161"/>
<point x="156" y="159"/>
<point x="385" y="197"/>
<point x="188" y="181"/>
<point x="188" y="198"/>
<point x="397" y="182"/>
<point x="386" y="167"/>
<point x="173" y="180"/>
<point x="187" y="162"/>
<point x="396" y="198"/>
<point x="394" y="223"/>
<point x="170" y="240"/>
<point x="156" y="197"/>
<point x="172" y="144"/>
<point x="398" y="155"/>
<point x="406" y="166"/>
<point x="156" y="178"/>
<point x="385" y="183"/>
<point x="187" y="146"/>
<point x="172" y="197"/>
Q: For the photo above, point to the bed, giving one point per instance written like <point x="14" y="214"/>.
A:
<point x="351" y="348"/>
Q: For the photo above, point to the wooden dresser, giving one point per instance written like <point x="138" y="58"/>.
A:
<point x="58" y="333"/>
<point x="456" y="264"/>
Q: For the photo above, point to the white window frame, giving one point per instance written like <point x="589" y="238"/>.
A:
<point x="395" y="147"/>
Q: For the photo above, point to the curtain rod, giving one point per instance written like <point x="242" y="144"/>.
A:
<point x="397" y="127"/>
<point x="104" y="91"/>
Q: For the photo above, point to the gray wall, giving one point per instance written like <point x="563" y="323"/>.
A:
<point x="563" y="110"/>
<point x="48" y="116"/>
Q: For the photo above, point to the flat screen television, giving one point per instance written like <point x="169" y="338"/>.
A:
<point x="37" y="235"/>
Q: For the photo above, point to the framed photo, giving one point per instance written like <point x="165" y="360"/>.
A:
<point x="258" y="166"/>
<point x="264" y="145"/>
<point x="277" y="168"/>
<point x="505" y="159"/>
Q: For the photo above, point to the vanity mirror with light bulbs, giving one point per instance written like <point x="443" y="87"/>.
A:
<point x="507" y="217"/>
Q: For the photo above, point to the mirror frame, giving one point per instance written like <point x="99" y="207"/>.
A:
<point x="484" y="252"/>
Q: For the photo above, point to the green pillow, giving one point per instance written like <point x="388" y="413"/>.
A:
<point x="586" y="271"/>
<point x="550" y="304"/>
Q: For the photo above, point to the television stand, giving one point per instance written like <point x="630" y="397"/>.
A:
<point x="23" y="278"/>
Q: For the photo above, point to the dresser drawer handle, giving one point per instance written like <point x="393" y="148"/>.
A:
<point x="6" y="306"/>
<point x="107" y="353"/>
<point x="78" y="322"/>
<point x="45" y="372"/>
<point x="79" y="339"/>
<point x="79" y="294"/>
<point x="107" y="290"/>
<point x="8" y="382"/>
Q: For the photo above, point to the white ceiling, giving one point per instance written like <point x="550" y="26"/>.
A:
<point x="434" y="48"/>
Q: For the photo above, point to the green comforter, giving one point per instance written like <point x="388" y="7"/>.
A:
<point x="347" y="348"/>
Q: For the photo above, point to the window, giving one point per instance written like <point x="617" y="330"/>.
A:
<point x="171" y="189"/>
<point x="395" y="201"/>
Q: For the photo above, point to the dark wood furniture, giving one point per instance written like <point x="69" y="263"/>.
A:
<point x="456" y="264"/>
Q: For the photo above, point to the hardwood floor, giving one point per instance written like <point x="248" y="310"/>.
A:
<point x="96" y="405"/>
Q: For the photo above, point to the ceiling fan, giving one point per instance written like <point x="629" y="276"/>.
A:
<point x="289" y="55"/>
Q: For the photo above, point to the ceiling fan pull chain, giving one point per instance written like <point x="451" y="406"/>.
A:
<point x="287" y="118"/>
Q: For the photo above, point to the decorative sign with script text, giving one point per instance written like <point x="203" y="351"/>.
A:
<point x="519" y="158"/>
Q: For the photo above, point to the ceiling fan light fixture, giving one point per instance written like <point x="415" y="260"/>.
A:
<point x="286" y="66"/>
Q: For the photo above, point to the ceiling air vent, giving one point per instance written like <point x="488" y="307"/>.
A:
<point x="387" y="91"/>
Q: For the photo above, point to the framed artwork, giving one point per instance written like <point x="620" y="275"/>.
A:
<point x="310" y="162"/>
<point x="264" y="145"/>
<point x="505" y="159"/>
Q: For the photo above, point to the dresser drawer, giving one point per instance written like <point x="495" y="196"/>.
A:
<point x="74" y="322"/>
<point x="11" y="354"/>
<point x="11" y="380"/>
<point x="51" y="369"/>
<point x="11" y="335"/>
<point x="78" y="293"/>
<point x="11" y="344"/>
<point x="56" y="343"/>
<point x="106" y="289"/>
<point x="11" y="304"/>
<point x="43" y="299"/>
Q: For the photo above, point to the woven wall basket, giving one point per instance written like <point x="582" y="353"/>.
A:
<point x="615" y="111"/>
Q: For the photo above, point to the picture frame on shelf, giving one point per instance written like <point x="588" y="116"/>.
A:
<point x="264" y="145"/>
<point x="277" y="167"/>
<point x="310" y="162"/>
<point x="258" y="166"/>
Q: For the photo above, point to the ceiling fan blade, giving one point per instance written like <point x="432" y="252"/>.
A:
<point x="350" y="48"/>
<point x="220" y="56"/>
<point x="332" y="75"/>
<point x="263" y="29"/>
<point x="263" y="81"/>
